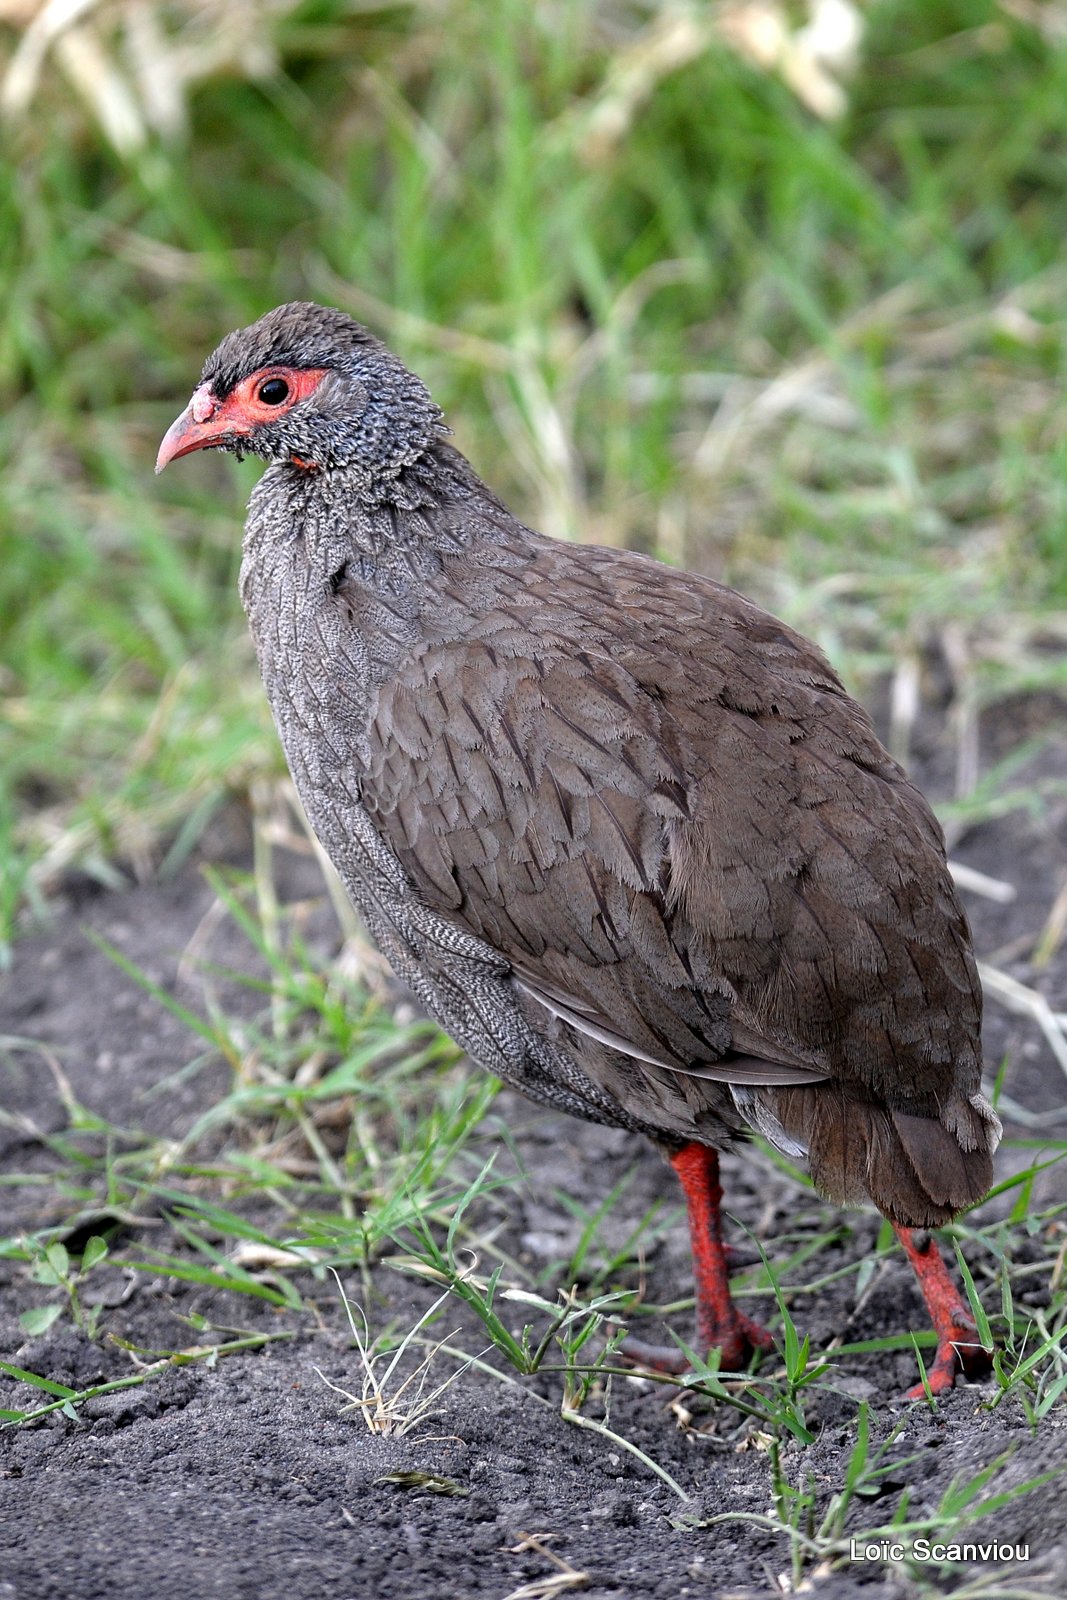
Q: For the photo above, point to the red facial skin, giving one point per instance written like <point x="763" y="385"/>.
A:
<point x="207" y="421"/>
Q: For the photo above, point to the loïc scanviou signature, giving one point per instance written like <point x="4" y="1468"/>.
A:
<point x="935" y="1550"/>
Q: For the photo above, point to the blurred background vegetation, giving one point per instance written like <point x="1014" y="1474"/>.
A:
<point x="777" y="291"/>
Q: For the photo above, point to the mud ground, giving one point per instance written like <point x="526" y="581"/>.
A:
<point x="245" y="1479"/>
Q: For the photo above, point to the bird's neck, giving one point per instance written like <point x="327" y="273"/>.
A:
<point x="396" y="530"/>
<point x="341" y="585"/>
<point x="321" y="543"/>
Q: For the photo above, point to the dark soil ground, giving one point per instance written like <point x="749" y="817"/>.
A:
<point x="244" y="1478"/>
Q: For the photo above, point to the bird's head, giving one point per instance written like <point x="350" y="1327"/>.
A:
<point x="308" y="385"/>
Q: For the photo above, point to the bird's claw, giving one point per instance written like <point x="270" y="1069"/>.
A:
<point x="957" y="1351"/>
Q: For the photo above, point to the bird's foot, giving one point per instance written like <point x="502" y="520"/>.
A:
<point x="654" y="1357"/>
<point x="958" y="1346"/>
<point x="737" y="1339"/>
<point x="958" y="1350"/>
<point x="720" y="1325"/>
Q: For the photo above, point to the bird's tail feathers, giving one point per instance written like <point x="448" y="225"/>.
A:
<point x="919" y="1170"/>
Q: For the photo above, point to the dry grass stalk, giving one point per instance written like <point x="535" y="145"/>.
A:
<point x="389" y="1409"/>
<point x="1027" y="1002"/>
<point x="132" y="73"/>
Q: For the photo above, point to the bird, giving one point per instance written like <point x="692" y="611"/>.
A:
<point x="622" y="832"/>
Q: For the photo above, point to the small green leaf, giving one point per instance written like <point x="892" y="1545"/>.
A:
<point x="94" y="1252"/>
<point x="35" y="1379"/>
<point x="58" y="1258"/>
<point x="39" y="1319"/>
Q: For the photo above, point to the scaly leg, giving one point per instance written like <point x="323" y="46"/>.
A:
<point x="957" y="1335"/>
<point x="720" y="1325"/>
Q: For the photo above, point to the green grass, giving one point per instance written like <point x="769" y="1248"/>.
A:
<point x="825" y="361"/>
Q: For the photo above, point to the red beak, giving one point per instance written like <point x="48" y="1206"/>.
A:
<point x="198" y="427"/>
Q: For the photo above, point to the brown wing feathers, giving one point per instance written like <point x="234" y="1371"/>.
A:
<point x="695" y="854"/>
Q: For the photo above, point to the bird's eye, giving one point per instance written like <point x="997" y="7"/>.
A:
<point x="272" y="391"/>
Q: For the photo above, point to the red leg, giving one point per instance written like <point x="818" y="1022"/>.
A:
<point x="957" y="1335"/>
<point x="720" y="1325"/>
